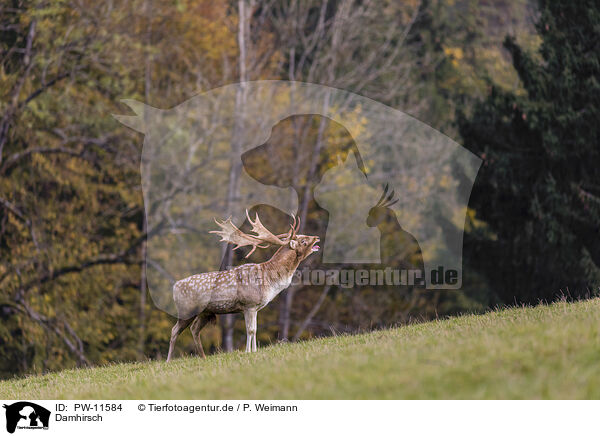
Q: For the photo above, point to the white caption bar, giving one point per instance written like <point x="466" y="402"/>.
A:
<point x="154" y="417"/>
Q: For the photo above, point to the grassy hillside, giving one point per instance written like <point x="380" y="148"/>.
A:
<point x="541" y="352"/>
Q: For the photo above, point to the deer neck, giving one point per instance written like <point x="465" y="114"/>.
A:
<point x="284" y="260"/>
<point x="280" y="268"/>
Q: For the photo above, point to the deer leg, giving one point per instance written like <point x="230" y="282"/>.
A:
<point x="179" y="326"/>
<point x="254" y="329"/>
<point x="199" y="323"/>
<point x="250" y="318"/>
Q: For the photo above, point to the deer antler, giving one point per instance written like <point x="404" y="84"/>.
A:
<point x="294" y="227"/>
<point x="231" y="234"/>
<point x="264" y="235"/>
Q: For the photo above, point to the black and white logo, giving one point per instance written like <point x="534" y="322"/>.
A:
<point x="26" y="415"/>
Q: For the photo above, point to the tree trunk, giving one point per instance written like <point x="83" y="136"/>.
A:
<point x="227" y="321"/>
<point x="143" y="246"/>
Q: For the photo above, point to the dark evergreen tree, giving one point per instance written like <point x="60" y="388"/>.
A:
<point x="538" y="190"/>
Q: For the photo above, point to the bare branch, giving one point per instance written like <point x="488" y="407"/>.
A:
<point x="15" y="211"/>
<point x="11" y="160"/>
<point x="51" y="326"/>
<point x="103" y="259"/>
<point x="312" y="313"/>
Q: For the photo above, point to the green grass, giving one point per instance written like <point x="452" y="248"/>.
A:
<point x="536" y="352"/>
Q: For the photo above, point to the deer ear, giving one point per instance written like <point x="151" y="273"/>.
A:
<point x="293" y="244"/>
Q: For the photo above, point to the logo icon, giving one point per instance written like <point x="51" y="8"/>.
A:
<point x="26" y="415"/>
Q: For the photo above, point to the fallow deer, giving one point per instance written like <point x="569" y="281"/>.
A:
<point x="246" y="288"/>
